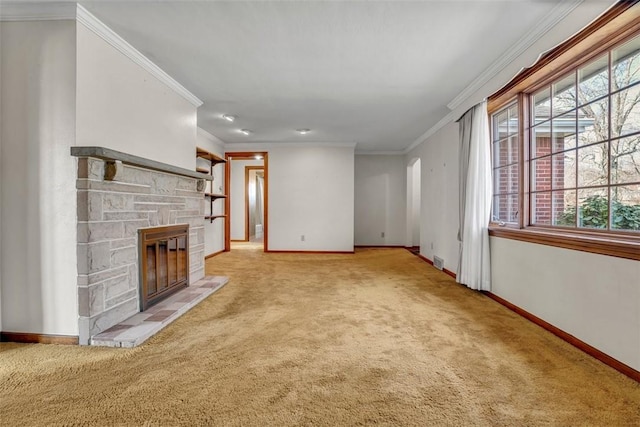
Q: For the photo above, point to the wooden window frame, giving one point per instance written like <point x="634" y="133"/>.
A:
<point x="500" y="222"/>
<point x="619" y="24"/>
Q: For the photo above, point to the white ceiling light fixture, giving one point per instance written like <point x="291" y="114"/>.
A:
<point x="246" y="132"/>
<point x="258" y="157"/>
<point x="303" y="131"/>
<point x="228" y="117"/>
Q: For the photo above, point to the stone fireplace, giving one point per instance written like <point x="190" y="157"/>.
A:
<point x="120" y="196"/>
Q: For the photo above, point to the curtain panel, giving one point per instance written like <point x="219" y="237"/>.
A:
<point x="474" y="265"/>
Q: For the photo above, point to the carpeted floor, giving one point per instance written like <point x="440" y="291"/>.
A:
<point x="378" y="337"/>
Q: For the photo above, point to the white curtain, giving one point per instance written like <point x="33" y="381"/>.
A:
<point x="474" y="267"/>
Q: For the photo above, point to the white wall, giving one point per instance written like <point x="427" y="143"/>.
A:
<point x="213" y="231"/>
<point x="38" y="245"/>
<point x="0" y="180"/>
<point x="416" y="202"/>
<point x="439" y="195"/>
<point x="311" y="193"/>
<point x="124" y="107"/>
<point x="380" y="188"/>
<point x="593" y="297"/>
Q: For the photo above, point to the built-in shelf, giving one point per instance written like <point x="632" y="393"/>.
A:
<point x="204" y="154"/>
<point x="215" y="196"/>
<point x="209" y="195"/>
<point x="212" y="217"/>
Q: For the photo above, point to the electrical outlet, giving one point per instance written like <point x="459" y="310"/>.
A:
<point x="302" y="237"/>
<point x="382" y="234"/>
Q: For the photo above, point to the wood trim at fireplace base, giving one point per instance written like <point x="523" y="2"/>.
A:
<point x="26" y="337"/>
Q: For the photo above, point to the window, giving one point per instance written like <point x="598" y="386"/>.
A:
<point x="566" y="144"/>
<point x="505" y="148"/>
<point x="585" y="145"/>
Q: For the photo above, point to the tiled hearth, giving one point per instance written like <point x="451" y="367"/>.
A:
<point x="139" y="327"/>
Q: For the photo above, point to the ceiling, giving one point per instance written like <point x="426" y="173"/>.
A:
<point x="379" y="74"/>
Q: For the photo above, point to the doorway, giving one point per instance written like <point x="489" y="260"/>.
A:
<point x="254" y="203"/>
<point x="413" y="205"/>
<point x="246" y="186"/>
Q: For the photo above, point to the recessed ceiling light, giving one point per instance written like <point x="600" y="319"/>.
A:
<point x="245" y="131"/>
<point x="258" y="157"/>
<point x="228" y="117"/>
<point x="303" y="131"/>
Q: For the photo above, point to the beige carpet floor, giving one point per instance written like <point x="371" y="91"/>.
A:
<point x="374" y="338"/>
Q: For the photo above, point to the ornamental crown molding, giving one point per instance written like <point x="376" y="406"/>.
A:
<point x="92" y="23"/>
<point x="13" y="11"/>
<point x="557" y="14"/>
<point x="432" y="130"/>
<point x="265" y="145"/>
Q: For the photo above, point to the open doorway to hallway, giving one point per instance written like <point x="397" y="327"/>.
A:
<point x="247" y="200"/>
<point x="254" y="203"/>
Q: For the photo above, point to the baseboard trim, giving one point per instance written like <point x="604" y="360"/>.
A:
<point x="25" y="337"/>
<point x="425" y="259"/>
<point x="428" y="261"/>
<point x="576" y="342"/>
<point x="214" y="254"/>
<point x="450" y="273"/>
<point x="277" y="251"/>
<point x="378" y="246"/>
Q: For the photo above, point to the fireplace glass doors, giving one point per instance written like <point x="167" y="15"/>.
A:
<point x="164" y="262"/>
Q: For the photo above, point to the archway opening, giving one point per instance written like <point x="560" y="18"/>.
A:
<point x="413" y="205"/>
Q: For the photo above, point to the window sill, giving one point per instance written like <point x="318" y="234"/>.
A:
<point x="598" y="243"/>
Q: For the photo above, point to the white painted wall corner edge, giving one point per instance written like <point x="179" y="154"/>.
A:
<point x="53" y="11"/>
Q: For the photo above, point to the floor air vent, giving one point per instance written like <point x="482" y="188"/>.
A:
<point x="438" y="263"/>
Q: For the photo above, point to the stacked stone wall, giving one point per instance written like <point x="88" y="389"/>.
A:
<point x="110" y="212"/>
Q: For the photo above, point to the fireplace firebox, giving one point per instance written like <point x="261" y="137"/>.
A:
<point x="164" y="262"/>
